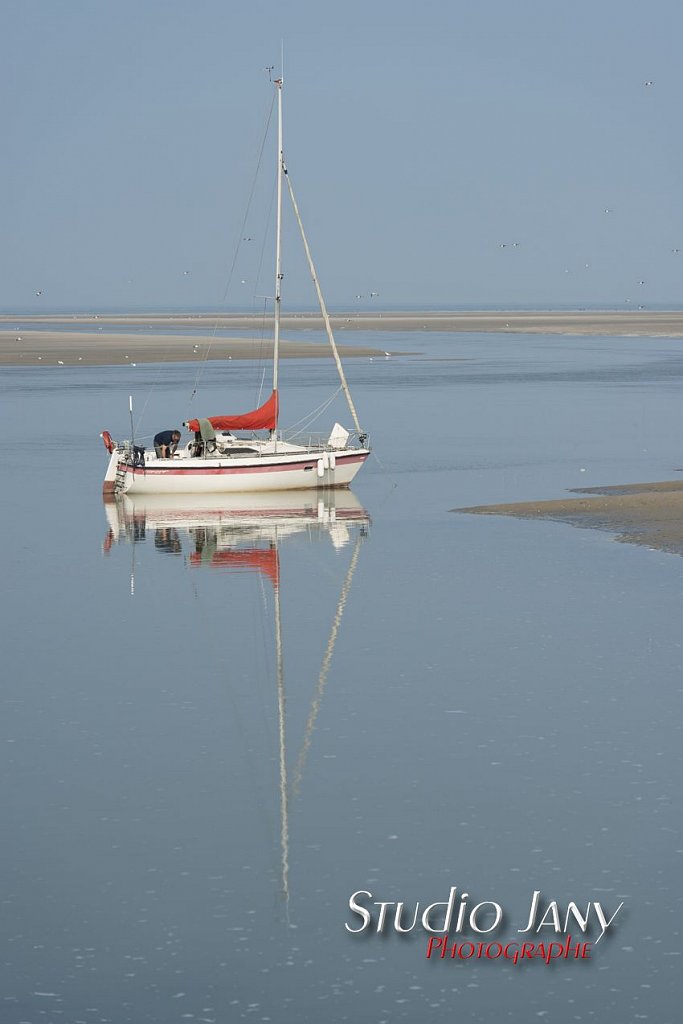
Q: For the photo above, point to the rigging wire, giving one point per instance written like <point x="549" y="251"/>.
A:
<point x="260" y="389"/>
<point x="262" y="353"/>
<point x="205" y="356"/>
<point x="312" y="416"/>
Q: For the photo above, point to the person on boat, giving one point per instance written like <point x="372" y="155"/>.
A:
<point x="166" y="539"/>
<point x="165" y="443"/>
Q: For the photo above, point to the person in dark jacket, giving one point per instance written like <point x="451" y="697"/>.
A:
<point x="165" y="443"/>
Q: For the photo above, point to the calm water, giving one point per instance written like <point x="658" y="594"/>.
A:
<point x="460" y="701"/>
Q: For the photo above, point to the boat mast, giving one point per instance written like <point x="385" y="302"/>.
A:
<point x="278" y="240"/>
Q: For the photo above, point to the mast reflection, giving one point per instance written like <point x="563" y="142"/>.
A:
<point x="243" y="533"/>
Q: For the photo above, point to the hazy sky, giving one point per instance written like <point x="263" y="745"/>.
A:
<point x="420" y="137"/>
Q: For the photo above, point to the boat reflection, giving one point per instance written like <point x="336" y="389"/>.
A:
<point x="215" y="531"/>
<point x="243" y="533"/>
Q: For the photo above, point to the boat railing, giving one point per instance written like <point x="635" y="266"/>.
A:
<point x="131" y="454"/>
<point x="322" y="441"/>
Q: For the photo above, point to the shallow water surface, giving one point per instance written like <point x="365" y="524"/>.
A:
<point x="220" y="720"/>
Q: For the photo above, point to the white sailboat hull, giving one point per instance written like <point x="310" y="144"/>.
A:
<point x="236" y="475"/>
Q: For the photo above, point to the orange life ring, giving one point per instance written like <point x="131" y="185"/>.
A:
<point x="108" y="443"/>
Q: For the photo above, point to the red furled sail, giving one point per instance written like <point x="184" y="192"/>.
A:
<point x="263" y="418"/>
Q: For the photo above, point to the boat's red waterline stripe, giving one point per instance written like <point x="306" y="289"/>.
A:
<point x="235" y="470"/>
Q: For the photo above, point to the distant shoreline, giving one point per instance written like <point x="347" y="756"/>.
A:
<point x="30" y="339"/>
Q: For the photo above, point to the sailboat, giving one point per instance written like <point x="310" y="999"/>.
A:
<point x="216" y="459"/>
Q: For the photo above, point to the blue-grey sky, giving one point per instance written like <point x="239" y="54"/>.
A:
<point x="423" y="139"/>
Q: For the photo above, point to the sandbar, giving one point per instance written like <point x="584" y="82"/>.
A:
<point x="43" y="347"/>
<point x="629" y="321"/>
<point x="111" y="338"/>
<point x="650" y="514"/>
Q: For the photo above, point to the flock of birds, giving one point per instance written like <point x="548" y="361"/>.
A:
<point x="515" y="245"/>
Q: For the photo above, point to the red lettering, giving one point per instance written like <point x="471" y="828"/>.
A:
<point x="439" y="943"/>
<point x="489" y="954"/>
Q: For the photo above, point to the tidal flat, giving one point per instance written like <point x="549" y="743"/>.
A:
<point x="649" y="514"/>
<point x="113" y="338"/>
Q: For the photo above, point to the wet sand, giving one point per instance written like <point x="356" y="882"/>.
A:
<point x="31" y="347"/>
<point x="143" y="337"/>
<point x="650" y="514"/>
